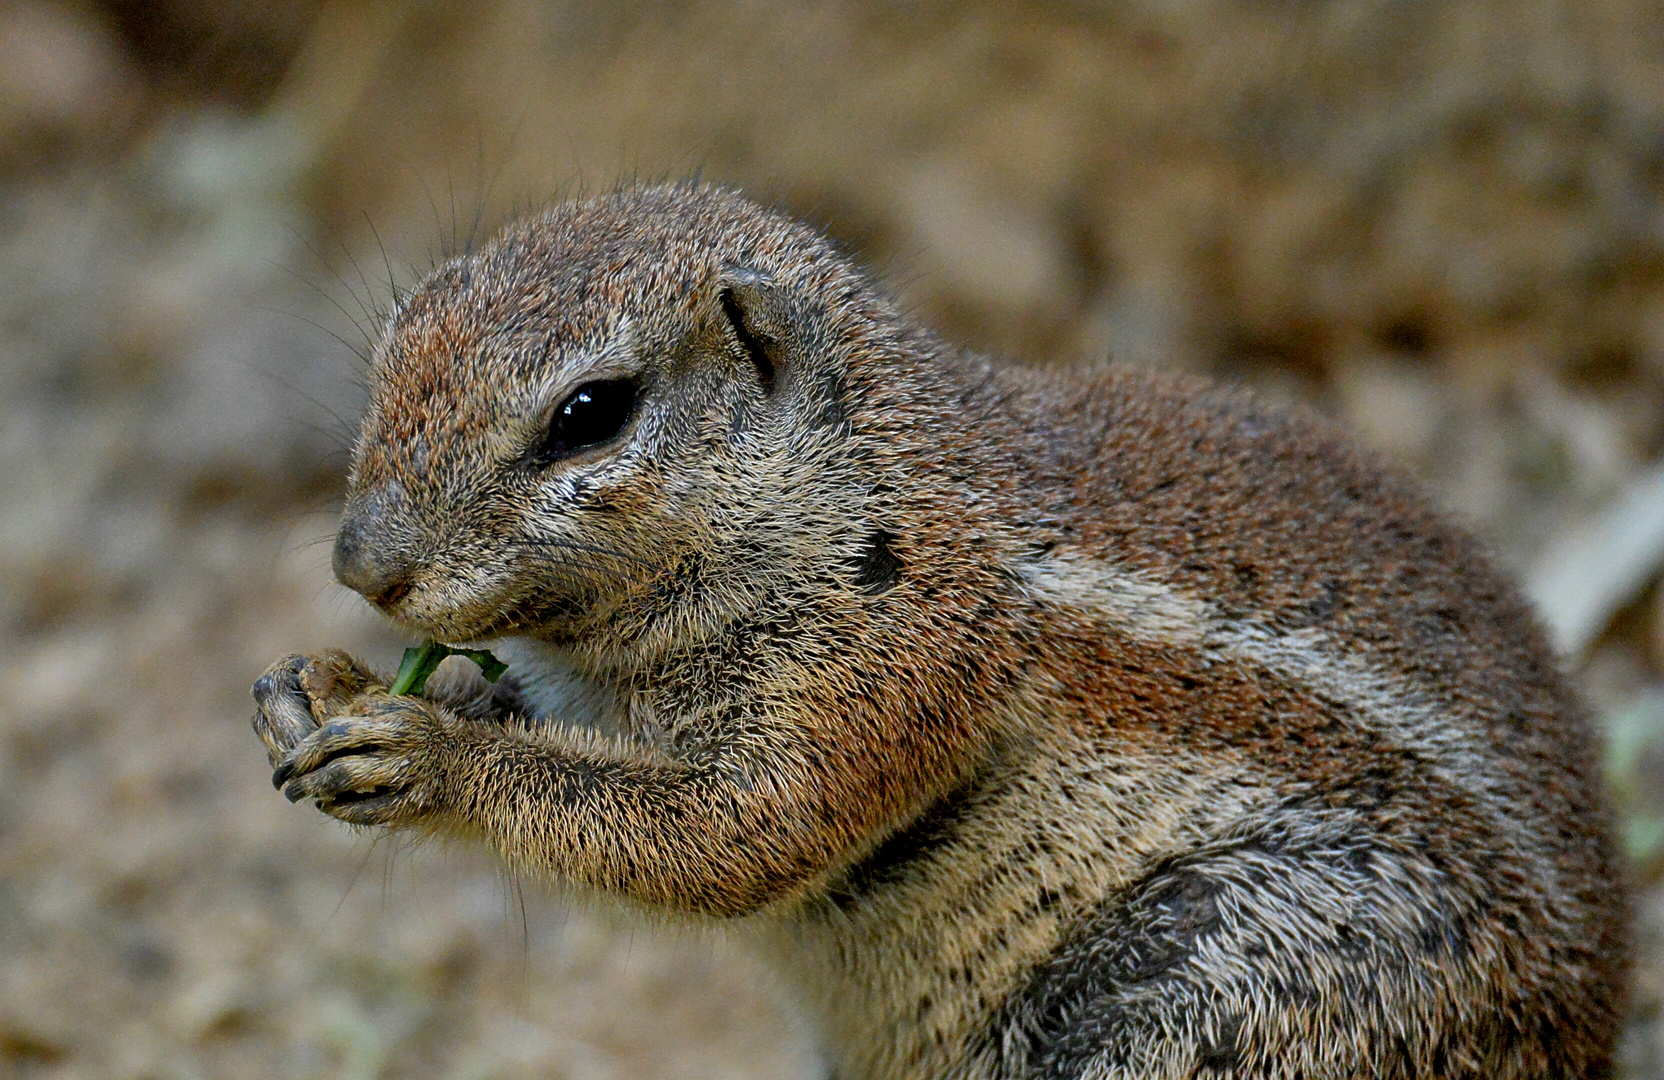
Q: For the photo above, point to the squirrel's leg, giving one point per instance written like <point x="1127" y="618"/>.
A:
<point x="722" y="829"/>
<point x="1289" y="956"/>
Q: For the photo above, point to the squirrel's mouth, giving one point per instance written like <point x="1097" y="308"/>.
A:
<point x="451" y="598"/>
<point x="430" y="613"/>
<point x="541" y="617"/>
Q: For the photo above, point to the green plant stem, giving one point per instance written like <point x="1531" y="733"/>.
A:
<point x="420" y="661"/>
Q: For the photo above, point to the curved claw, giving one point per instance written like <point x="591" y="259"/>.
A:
<point x="363" y="768"/>
<point x="373" y="809"/>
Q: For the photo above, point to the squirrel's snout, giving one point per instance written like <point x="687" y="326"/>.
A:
<point x="366" y="564"/>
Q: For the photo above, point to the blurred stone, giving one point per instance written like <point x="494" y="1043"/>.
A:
<point x="1393" y="405"/>
<point x="1656" y="637"/>
<point x="212" y="1005"/>
<point x="1582" y="580"/>
<point x="987" y="249"/>
<point x="63" y="80"/>
<point x="227" y="52"/>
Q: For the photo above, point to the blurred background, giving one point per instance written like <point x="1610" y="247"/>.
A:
<point x="1439" y="221"/>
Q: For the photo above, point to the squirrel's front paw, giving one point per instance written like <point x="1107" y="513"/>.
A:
<point x="298" y="693"/>
<point x="376" y="764"/>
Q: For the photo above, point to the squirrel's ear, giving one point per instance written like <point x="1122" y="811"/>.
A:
<point x="759" y="315"/>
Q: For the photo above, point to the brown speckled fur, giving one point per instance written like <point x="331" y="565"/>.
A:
<point x="1097" y="724"/>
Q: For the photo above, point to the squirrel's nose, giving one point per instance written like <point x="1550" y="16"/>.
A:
<point x="364" y="559"/>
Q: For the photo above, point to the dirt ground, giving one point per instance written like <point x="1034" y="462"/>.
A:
<point x="1442" y="223"/>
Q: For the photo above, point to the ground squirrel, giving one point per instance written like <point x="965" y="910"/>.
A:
<point x="1042" y="723"/>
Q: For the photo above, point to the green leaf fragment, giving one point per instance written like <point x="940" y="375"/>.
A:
<point x="418" y="663"/>
<point x="421" y="660"/>
<point x="491" y="667"/>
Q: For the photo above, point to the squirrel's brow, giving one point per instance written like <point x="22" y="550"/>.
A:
<point x="616" y="357"/>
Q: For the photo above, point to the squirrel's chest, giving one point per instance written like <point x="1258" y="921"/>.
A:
<point x="910" y="953"/>
<point x="658" y="718"/>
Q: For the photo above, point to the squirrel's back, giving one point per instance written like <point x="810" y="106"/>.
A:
<point x="1402" y="861"/>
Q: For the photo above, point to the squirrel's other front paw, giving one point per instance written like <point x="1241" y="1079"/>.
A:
<point x="298" y="693"/>
<point x="374" y="765"/>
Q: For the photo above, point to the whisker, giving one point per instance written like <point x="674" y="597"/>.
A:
<point x="357" y="322"/>
<point x="373" y="314"/>
<point x="386" y="261"/>
<point x="570" y="573"/>
<point x="319" y="541"/>
<point x="362" y="352"/>
<point x="573" y="545"/>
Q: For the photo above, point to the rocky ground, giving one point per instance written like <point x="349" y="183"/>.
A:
<point x="1440" y="222"/>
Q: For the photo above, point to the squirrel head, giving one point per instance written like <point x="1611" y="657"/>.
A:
<point x="621" y="419"/>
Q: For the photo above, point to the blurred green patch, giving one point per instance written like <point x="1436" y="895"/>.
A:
<point x="1634" y="750"/>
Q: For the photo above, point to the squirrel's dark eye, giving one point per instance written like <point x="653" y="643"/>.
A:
<point x="590" y="415"/>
